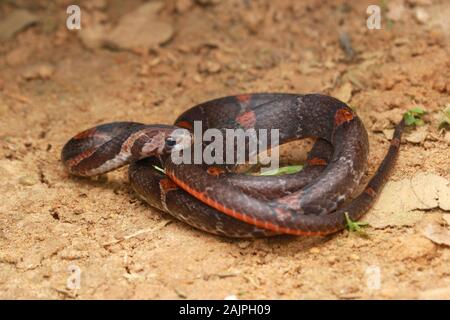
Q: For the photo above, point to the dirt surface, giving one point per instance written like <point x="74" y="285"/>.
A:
<point x="54" y="82"/>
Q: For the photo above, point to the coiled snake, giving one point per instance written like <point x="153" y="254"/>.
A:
<point x="215" y="199"/>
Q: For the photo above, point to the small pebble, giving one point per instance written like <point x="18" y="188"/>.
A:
<point x="388" y="133"/>
<point x="144" y="24"/>
<point x="332" y="259"/>
<point x="209" y="67"/>
<point x="197" y="78"/>
<point x="418" y="135"/>
<point x="27" y="181"/>
<point x="354" y="257"/>
<point x="421" y="15"/>
<point x="314" y="250"/>
<point x="38" y="71"/>
<point x="244" y="244"/>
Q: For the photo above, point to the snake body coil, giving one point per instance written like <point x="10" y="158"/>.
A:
<point x="213" y="198"/>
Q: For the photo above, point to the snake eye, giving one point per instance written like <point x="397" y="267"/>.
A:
<point x="170" y="142"/>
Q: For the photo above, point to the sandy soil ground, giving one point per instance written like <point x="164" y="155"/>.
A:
<point x="55" y="82"/>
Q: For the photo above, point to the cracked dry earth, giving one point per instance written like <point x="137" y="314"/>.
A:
<point x="55" y="82"/>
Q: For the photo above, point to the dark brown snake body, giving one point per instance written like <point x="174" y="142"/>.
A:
<point x="314" y="201"/>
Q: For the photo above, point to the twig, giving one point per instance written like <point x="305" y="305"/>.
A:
<point x="137" y="233"/>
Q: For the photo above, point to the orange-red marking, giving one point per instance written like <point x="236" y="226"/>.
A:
<point x="247" y="119"/>
<point x="79" y="157"/>
<point x="372" y="193"/>
<point x="167" y="185"/>
<point x="395" y="142"/>
<point x="316" y="162"/>
<point x="184" y="124"/>
<point x="343" y="115"/>
<point x="215" y="171"/>
<point x="240" y="216"/>
<point x="85" y="134"/>
<point x="243" y="98"/>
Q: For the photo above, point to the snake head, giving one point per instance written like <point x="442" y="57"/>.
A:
<point x="159" y="140"/>
<point x="179" y="139"/>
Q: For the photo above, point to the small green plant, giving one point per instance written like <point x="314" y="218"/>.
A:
<point x="413" y="117"/>
<point x="384" y="9"/>
<point x="283" y="170"/>
<point x="445" y="119"/>
<point x="355" y="226"/>
<point x="390" y="24"/>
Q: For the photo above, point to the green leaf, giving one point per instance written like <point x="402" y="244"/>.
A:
<point x="354" y="226"/>
<point x="283" y="170"/>
<point x="445" y="119"/>
<point x="417" y="110"/>
<point x="413" y="117"/>
<point x="159" y="169"/>
<point x="390" y="24"/>
<point x="447" y="111"/>
<point x="409" y="119"/>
